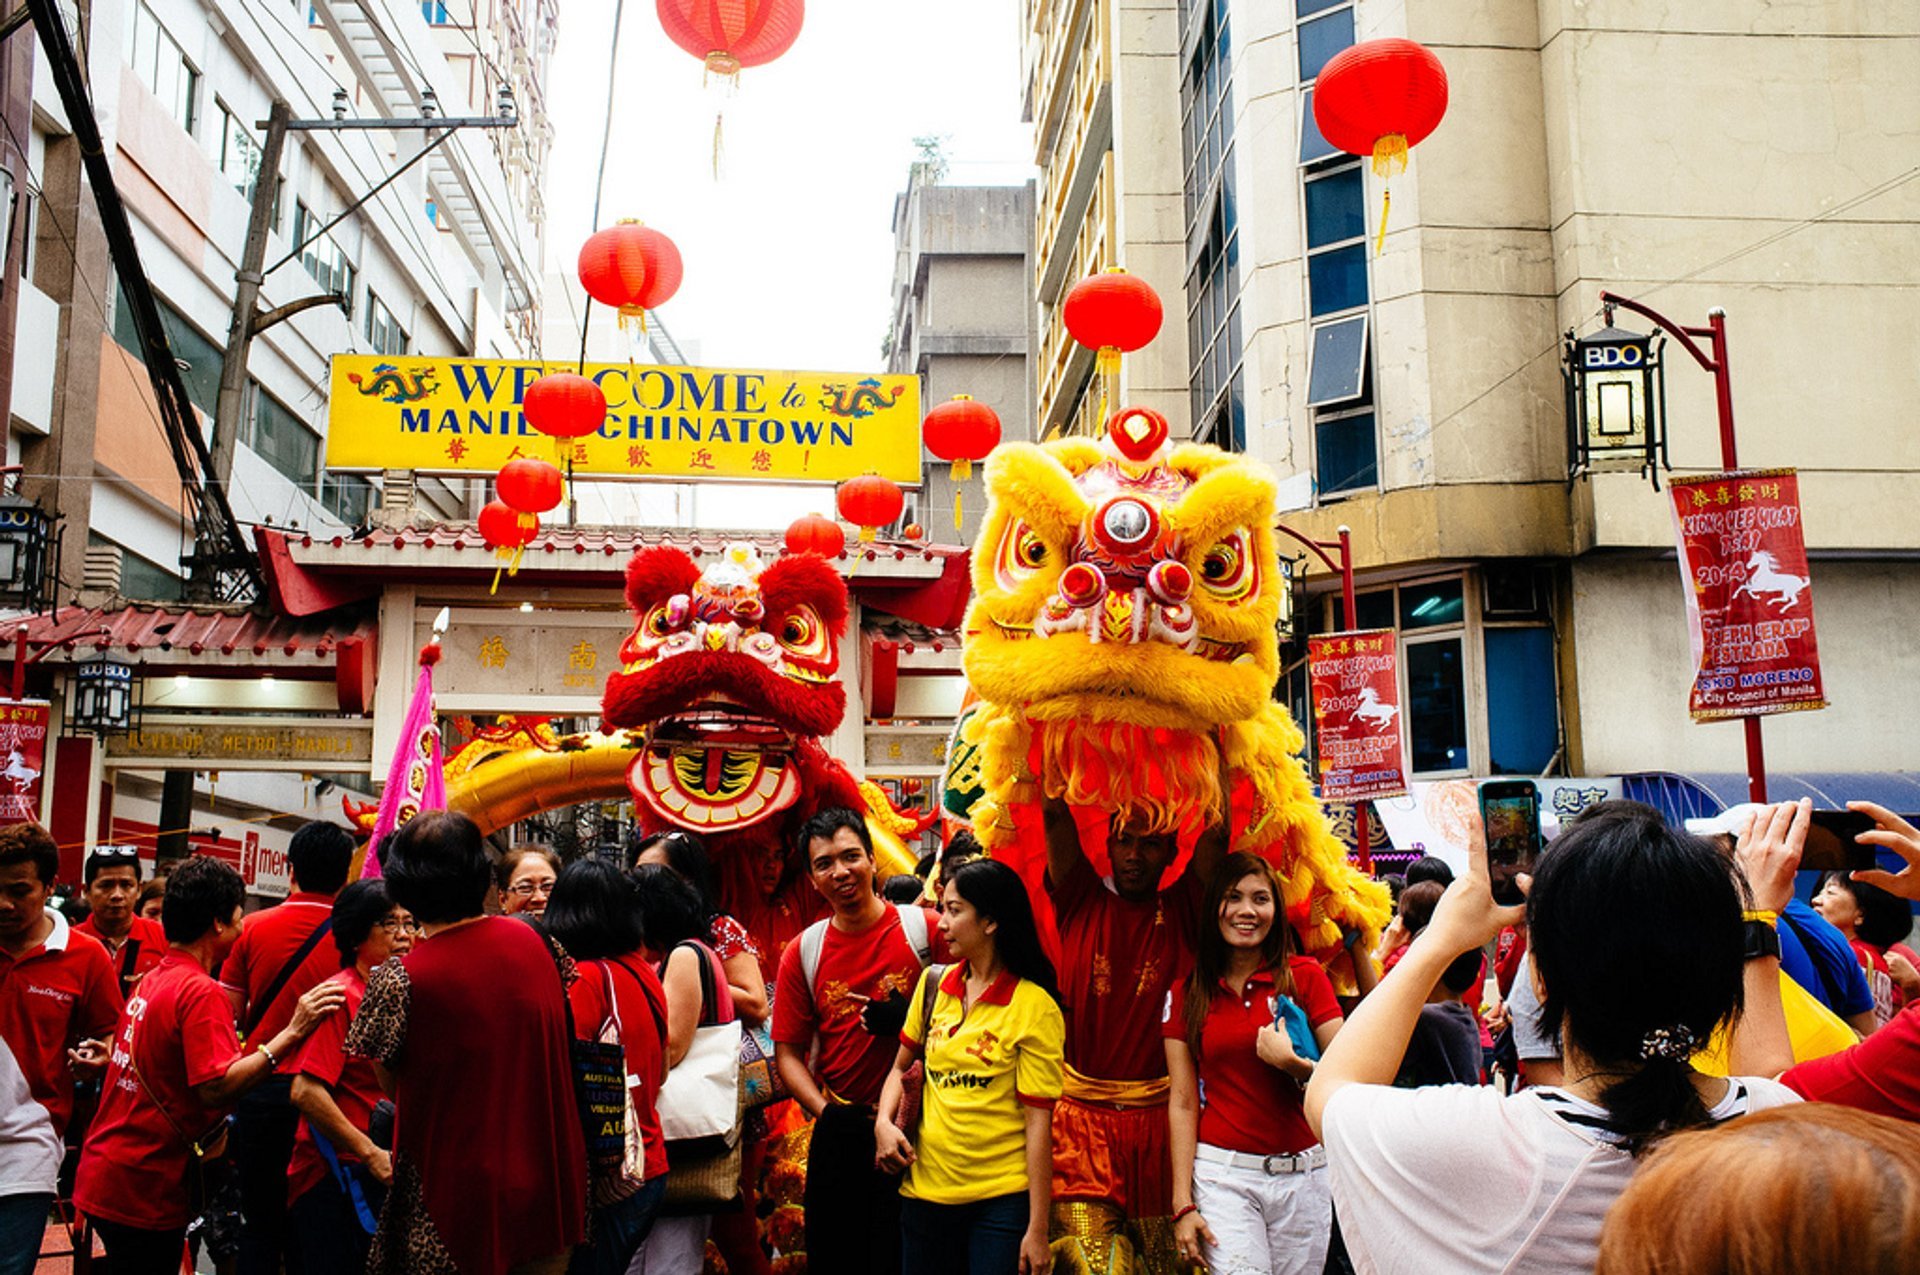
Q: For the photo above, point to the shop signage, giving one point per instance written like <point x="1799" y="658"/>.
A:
<point x="23" y="749"/>
<point x="236" y="743"/>
<point x="442" y="415"/>
<point x="1356" y="714"/>
<point x="501" y="656"/>
<point x="1743" y="568"/>
<point x="266" y="869"/>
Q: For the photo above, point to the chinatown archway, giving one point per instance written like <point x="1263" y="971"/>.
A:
<point x="499" y="782"/>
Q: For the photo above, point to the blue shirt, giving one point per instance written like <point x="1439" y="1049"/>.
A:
<point x="1818" y="957"/>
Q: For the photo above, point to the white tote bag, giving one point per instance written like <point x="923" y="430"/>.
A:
<point x="701" y="1098"/>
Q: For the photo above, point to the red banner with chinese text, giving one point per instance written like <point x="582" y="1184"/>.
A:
<point x="23" y="758"/>
<point x="1356" y="714"/>
<point x="1743" y="565"/>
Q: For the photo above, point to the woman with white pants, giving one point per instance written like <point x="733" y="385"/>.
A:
<point x="1250" y="1191"/>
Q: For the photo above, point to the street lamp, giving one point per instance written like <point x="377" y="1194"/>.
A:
<point x="1616" y="402"/>
<point x="26" y="535"/>
<point x="102" y="696"/>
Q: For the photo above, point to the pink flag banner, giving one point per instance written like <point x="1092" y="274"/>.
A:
<point x="415" y="780"/>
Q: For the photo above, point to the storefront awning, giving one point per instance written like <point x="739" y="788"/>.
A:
<point x="1692" y="796"/>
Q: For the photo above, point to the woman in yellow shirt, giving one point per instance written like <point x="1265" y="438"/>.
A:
<point x="979" y="1169"/>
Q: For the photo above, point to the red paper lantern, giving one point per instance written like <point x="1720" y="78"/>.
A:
<point x="961" y="431"/>
<point x="505" y="528"/>
<point x="631" y="267"/>
<point x="1380" y="98"/>
<point x="870" y="502"/>
<point x="564" y="405"/>
<point x="730" y="34"/>
<point x="529" y="486"/>
<point x="913" y="531"/>
<point x="814" y="534"/>
<point x="1113" y="312"/>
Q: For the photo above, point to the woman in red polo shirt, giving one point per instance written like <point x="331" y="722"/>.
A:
<point x="338" y="1177"/>
<point x="1250" y="1185"/>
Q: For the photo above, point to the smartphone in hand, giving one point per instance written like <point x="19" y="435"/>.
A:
<point x="1831" y="846"/>
<point x="1510" y="812"/>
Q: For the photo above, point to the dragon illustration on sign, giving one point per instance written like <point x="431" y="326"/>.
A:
<point x="390" y="385"/>
<point x="858" y="401"/>
<point x="1123" y="630"/>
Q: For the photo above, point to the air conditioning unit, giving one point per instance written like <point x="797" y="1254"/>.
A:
<point x="1515" y="591"/>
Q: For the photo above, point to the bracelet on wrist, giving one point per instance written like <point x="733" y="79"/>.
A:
<point x="1766" y="916"/>
<point x="273" y="1063"/>
<point x="1183" y="1212"/>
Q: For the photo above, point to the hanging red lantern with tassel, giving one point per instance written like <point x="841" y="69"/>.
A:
<point x="1114" y="313"/>
<point x="1380" y="98"/>
<point x="529" y="486"/>
<point x="631" y="267"/>
<point x="507" y="532"/>
<point x="870" y="502"/>
<point x="730" y="35"/>
<point x="813" y="534"/>
<point x="961" y="431"/>
<point x="564" y="405"/>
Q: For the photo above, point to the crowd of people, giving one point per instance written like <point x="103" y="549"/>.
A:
<point x="491" y="1063"/>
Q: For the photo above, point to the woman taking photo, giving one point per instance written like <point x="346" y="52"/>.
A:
<point x="469" y="1030"/>
<point x="525" y="877"/>
<point x="979" y="1170"/>
<point x="338" y="1178"/>
<point x="1250" y="1186"/>
<point x="593" y="914"/>
<point x="1636" y="937"/>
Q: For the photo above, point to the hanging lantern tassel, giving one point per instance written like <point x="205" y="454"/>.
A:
<point x="1389" y="158"/>
<point x="960" y="471"/>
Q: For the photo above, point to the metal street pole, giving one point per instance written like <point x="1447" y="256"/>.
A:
<point x="1362" y="823"/>
<point x="1715" y="334"/>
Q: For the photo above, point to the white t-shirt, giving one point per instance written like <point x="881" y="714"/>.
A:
<point x="1459" y="1180"/>
<point x="29" y="1148"/>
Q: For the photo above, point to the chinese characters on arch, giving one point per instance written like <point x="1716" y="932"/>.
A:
<point x="1356" y="714"/>
<point x="1743" y="567"/>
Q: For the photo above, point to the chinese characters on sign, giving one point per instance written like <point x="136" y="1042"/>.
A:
<point x="23" y="746"/>
<point x="1743" y="564"/>
<point x="1356" y="714"/>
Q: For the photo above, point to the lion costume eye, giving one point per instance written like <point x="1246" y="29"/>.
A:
<point x="802" y="633"/>
<point x="1022" y="552"/>
<point x="1228" y="570"/>
<point x="656" y="621"/>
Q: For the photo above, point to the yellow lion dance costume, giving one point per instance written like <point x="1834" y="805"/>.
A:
<point x="1124" y="625"/>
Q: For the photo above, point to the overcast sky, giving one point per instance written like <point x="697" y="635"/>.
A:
<point x="789" y="255"/>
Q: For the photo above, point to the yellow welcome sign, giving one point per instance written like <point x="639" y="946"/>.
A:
<point x="463" y="415"/>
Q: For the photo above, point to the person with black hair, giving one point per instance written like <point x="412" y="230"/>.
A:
<point x="471" y="1023"/>
<point x="1249" y="1177"/>
<point x="903" y="887"/>
<point x="112" y="879"/>
<point x="152" y="898"/>
<point x="839" y="1006"/>
<point x="594" y="913"/>
<point x="340" y="1170"/>
<point x="1445" y="1048"/>
<point x="1429" y="867"/>
<point x="525" y="876"/>
<point x="979" y="1168"/>
<point x="281" y="953"/>
<point x="176" y="1071"/>
<point x="687" y="855"/>
<point x="58" y="993"/>
<point x="1637" y="937"/>
<point x="1872" y="921"/>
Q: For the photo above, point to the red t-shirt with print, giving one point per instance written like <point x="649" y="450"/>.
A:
<point x="1247" y="1105"/>
<point x="50" y="998"/>
<point x="355" y="1085"/>
<point x="873" y="962"/>
<point x="178" y="1033"/>
<point x="642" y="1006"/>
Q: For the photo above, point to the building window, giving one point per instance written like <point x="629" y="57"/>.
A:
<point x="1339" y="387"/>
<point x="347" y="497"/>
<point x="384" y="334"/>
<point x="197" y="357"/>
<point x="1336" y="241"/>
<point x="282" y="439"/>
<point x="323" y="258"/>
<point x="141" y="580"/>
<point x="1523" y="721"/>
<point x="1325" y="28"/>
<point x="435" y="12"/>
<point x="1437" y="705"/>
<point x="239" y="153"/>
<point x="1216" y="384"/>
<point x="163" y="67"/>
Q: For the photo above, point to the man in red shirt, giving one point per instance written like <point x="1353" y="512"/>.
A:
<point x="113" y="883"/>
<point x="282" y="953"/>
<point x="57" y="991"/>
<point x="1124" y="941"/>
<point x="844" y="985"/>
<point x="177" y="1068"/>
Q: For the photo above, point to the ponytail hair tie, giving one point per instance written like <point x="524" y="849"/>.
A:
<point x="1673" y="1044"/>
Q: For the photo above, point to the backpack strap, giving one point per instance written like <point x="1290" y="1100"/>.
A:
<point x="913" y="924"/>
<point x="812" y="940"/>
<point x="258" y="1010"/>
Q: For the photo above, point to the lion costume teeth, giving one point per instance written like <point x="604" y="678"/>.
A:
<point x="1123" y="629"/>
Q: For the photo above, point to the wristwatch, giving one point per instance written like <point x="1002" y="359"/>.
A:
<point x="1761" y="940"/>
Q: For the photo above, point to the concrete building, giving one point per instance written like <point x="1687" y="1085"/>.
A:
<point x="962" y="314"/>
<point x="1694" y="158"/>
<point x="445" y="259"/>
